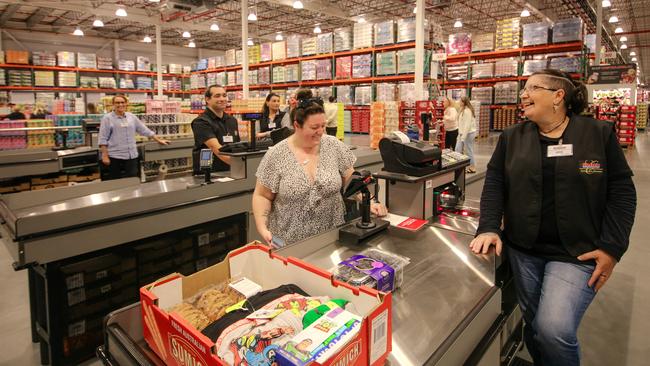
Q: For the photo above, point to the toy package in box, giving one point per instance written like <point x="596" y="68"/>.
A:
<point x="174" y="337"/>
<point x="459" y="43"/>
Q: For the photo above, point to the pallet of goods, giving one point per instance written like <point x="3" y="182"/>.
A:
<point x="641" y="116"/>
<point x="626" y="125"/>
<point x="504" y="117"/>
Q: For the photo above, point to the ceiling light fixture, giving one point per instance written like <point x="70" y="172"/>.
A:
<point x="634" y="59"/>
<point x="623" y="39"/>
<point x="317" y="29"/>
<point x="361" y="20"/>
<point x="525" y="13"/>
<point x="98" y="23"/>
<point x="298" y="4"/>
<point x="458" y="24"/>
<point x="618" y="30"/>
<point x="606" y="4"/>
<point x="120" y="12"/>
<point x="186" y="34"/>
<point x="623" y="46"/>
<point x="214" y="27"/>
<point x="251" y="15"/>
<point x="146" y="39"/>
<point x="613" y="19"/>
<point x="250" y="42"/>
<point x="632" y="53"/>
<point x="78" y="32"/>
<point x="278" y="37"/>
<point x="191" y="44"/>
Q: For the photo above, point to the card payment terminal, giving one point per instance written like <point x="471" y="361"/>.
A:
<point x="205" y="162"/>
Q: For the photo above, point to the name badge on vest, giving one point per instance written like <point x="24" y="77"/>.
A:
<point x="272" y="125"/>
<point x="557" y="151"/>
<point x="227" y="138"/>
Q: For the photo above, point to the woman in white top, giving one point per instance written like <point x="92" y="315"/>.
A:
<point x="467" y="129"/>
<point x="450" y="121"/>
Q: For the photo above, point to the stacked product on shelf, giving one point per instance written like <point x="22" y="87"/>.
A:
<point x="482" y="94"/>
<point x="533" y="66"/>
<point x="459" y="43"/>
<point x="566" y="64"/>
<point x="169" y="125"/>
<point x="343" y="67"/>
<point x="126" y="65"/>
<point x="67" y="79"/>
<point x="263" y="75"/>
<point x="43" y="58"/>
<point x="360" y="119"/>
<point x="642" y="115"/>
<point x="293" y="47"/>
<point x="406" y="115"/>
<point x="406" y="61"/>
<point x="386" y="63"/>
<point x="254" y="54"/>
<point x="230" y="57"/>
<point x="384" y="33"/>
<point x="626" y="125"/>
<point x="507" y="33"/>
<point x="377" y="123"/>
<point x="197" y="81"/>
<point x="66" y="59"/>
<point x="239" y="77"/>
<point x="76" y="137"/>
<point x="342" y="39"/>
<point x="323" y="69"/>
<point x="309" y="46"/>
<point x="40" y="138"/>
<point x="87" y="60"/>
<point x="504" y="117"/>
<point x="391" y="116"/>
<point x="143" y="63"/>
<point x="457" y="72"/>
<point x="308" y="69"/>
<point x="279" y="74"/>
<point x="17" y="57"/>
<point x="362" y="35"/>
<point x="344" y="94"/>
<point x="482" y="42"/>
<point x="106" y="82"/>
<point x="505" y="67"/>
<point x="362" y="66"/>
<point x="252" y="77"/>
<point x="483" y="70"/>
<point x="143" y="82"/>
<point x="567" y="30"/>
<point x="239" y="57"/>
<point x="12" y="140"/>
<point x="43" y="78"/>
<point x="535" y="34"/>
<point x="279" y="50"/>
<point x="3" y="78"/>
<point x="324" y="43"/>
<point x="484" y="120"/>
<point x="19" y="77"/>
<point x="292" y="72"/>
<point x="506" y="92"/>
<point x="385" y="92"/>
<point x="406" y="30"/>
<point x="363" y="95"/>
<point x="324" y="93"/>
<point x="266" y="51"/>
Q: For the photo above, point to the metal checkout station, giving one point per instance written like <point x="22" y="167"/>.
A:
<point x="449" y="311"/>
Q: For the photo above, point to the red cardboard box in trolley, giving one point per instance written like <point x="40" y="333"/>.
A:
<point x="179" y="344"/>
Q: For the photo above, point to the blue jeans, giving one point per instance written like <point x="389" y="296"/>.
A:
<point x="468" y="142"/>
<point x="553" y="297"/>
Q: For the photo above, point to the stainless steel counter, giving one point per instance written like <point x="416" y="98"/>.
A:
<point x="448" y="299"/>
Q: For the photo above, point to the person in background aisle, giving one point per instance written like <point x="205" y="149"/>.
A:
<point x="16" y="113"/>
<point x="271" y="116"/>
<point x="286" y="119"/>
<point x="214" y="128"/>
<point x="39" y="112"/>
<point x="331" y="114"/>
<point x="450" y="121"/>
<point x="467" y="132"/>
<point x="299" y="181"/>
<point x="91" y="108"/>
<point x="117" y="140"/>
<point x="564" y="190"/>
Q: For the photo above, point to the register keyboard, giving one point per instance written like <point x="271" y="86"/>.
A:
<point x="451" y="158"/>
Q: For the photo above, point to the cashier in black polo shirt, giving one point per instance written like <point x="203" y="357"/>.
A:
<point x="213" y="129"/>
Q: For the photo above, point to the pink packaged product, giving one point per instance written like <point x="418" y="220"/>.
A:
<point x="265" y="52"/>
<point x="459" y="43"/>
<point x="264" y="75"/>
<point x="323" y="69"/>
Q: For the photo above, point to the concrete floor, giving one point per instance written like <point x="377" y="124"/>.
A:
<point x="614" y="331"/>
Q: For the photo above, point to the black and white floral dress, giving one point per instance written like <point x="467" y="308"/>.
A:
<point x="302" y="209"/>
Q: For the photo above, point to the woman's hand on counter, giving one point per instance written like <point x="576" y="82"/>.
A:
<point x="378" y="209"/>
<point x="482" y="243"/>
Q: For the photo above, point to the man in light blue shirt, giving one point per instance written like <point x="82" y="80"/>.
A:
<point x="117" y="140"/>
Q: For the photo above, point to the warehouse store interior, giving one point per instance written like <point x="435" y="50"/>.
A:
<point x="324" y="182"/>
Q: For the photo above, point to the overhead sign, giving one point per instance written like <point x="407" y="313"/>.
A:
<point x="612" y="74"/>
<point x="611" y="55"/>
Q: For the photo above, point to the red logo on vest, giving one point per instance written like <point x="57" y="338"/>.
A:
<point x="590" y="167"/>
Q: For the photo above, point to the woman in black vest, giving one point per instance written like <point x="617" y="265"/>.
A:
<point x="271" y="116"/>
<point x="563" y="188"/>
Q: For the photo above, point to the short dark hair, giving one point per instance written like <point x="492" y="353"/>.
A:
<point x="301" y="113"/>
<point x="208" y="90"/>
<point x="332" y="99"/>
<point x="575" y="92"/>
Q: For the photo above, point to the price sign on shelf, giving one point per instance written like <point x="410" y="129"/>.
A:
<point x="441" y="56"/>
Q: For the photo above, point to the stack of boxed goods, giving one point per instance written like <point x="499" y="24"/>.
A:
<point x="43" y="58"/>
<point x="377" y="123"/>
<point x="360" y="119"/>
<point x="293" y="47"/>
<point x="342" y="39"/>
<point x="308" y="70"/>
<point x="87" y="60"/>
<point x="19" y="77"/>
<point x="309" y="46"/>
<point x="126" y="65"/>
<point x="506" y="92"/>
<point x="626" y="125"/>
<point x="324" y="69"/>
<point x="386" y="63"/>
<point x="40" y="138"/>
<point x="459" y="43"/>
<point x="483" y="71"/>
<point x="566" y="64"/>
<point x="391" y="115"/>
<point x="505" y="67"/>
<point x="457" y="71"/>
<point x="143" y="83"/>
<point x="484" y="120"/>
<point x="535" y="34"/>
<point x="280" y="74"/>
<point x="384" y="33"/>
<point x="324" y="93"/>
<point x="362" y="95"/>
<point x="197" y="81"/>
<point x="12" y="140"/>
<point x="266" y="51"/>
<point x="437" y="35"/>
<point x="406" y="30"/>
<point x="344" y="67"/>
<point x="67" y="78"/>
<point x="212" y="63"/>
<point x="507" y="34"/>
<point x="75" y="137"/>
<point x="144" y="64"/>
<point x="254" y="54"/>
<point x="324" y="43"/>
<point x="347" y="120"/>
<point x="406" y="61"/>
<point x="504" y="117"/>
<point x="279" y="50"/>
<point x="407" y="92"/>
<point x="567" y="30"/>
<point x="292" y="72"/>
<point x="385" y="92"/>
<point x="231" y="57"/>
<point x="362" y="35"/>
<point x="66" y="59"/>
<point x="211" y="78"/>
<point x="127" y="83"/>
<point x="533" y="66"/>
<point x="231" y="78"/>
<point x="106" y="82"/>
<point x="175" y="68"/>
<point x="482" y="94"/>
<point x="2" y="57"/>
<point x="642" y="115"/>
<point x="17" y="57"/>
<point x="482" y="42"/>
<point x="362" y="66"/>
<point x="43" y="78"/>
<point x="344" y="94"/>
<point x="221" y="78"/>
<point x="239" y="77"/>
<point x="3" y="78"/>
<point x="105" y="63"/>
<point x="202" y="64"/>
<point x="264" y="75"/>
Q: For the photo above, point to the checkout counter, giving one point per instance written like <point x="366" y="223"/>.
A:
<point x="450" y="308"/>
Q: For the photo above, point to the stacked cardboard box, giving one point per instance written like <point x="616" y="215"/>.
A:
<point x="377" y="123"/>
<point x="506" y="67"/>
<point x="482" y="71"/>
<point x="504" y="117"/>
<point x="308" y="69"/>
<point x="535" y="34"/>
<point x="533" y="66"/>
<point x="459" y="43"/>
<point x="385" y="92"/>
<point x="362" y="66"/>
<point x="386" y="63"/>
<point x="293" y="47"/>
<point x="266" y="52"/>
<point x="342" y="39"/>
<point x="279" y="50"/>
<point x="506" y="92"/>
<point x="230" y="57"/>
<point x="482" y="94"/>
<point x="507" y="33"/>
<point x="293" y="72"/>
<point x="344" y="67"/>
<point x="325" y="43"/>
<point x="309" y="46"/>
<point x="567" y="30"/>
<point x="43" y="58"/>
<point x="384" y="33"/>
<point x="254" y="54"/>
<point x="43" y="78"/>
<point x="67" y="59"/>
<point x="362" y="35"/>
<point x="482" y="42"/>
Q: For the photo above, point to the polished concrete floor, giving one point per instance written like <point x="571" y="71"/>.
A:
<point x="614" y="332"/>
